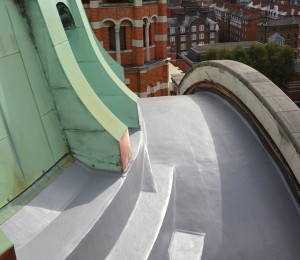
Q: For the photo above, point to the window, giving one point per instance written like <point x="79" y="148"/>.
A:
<point x="172" y="30"/>
<point x="211" y="27"/>
<point x="183" y="38"/>
<point x="201" y="36"/>
<point x="212" y="35"/>
<point x="112" y="38"/>
<point x="172" y="39"/>
<point x="193" y="28"/>
<point x="182" y="46"/>
<point x="65" y="16"/>
<point x="194" y="44"/>
<point x="194" y="37"/>
<point x="201" y="28"/>
<point x="182" y="29"/>
<point x="122" y="38"/>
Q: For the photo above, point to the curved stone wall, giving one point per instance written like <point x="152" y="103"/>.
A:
<point x="274" y="111"/>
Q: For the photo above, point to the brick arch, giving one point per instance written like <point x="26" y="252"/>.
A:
<point x="126" y="19"/>
<point x="150" y="84"/>
<point x="268" y="108"/>
<point x="160" y="80"/>
<point x="150" y="90"/>
<point x="154" y="18"/>
<point x="110" y="22"/>
<point x="128" y="24"/>
<point x="146" y="18"/>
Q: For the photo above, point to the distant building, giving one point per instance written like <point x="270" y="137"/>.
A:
<point x="276" y="38"/>
<point x="286" y="27"/>
<point x="196" y="54"/>
<point x="275" y="8"/>
<point x="186" y="31"/>
<point x="134" y="32"/>
<point x="236" y="23"/>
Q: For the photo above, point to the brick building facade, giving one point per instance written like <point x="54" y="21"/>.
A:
<point x="236" y="22"/>
<point x="185" y="31"/>
<point x="275" y="8"/>
<point x="259" y="20"/>
<point x="134" y="32"/>
<point x="286" y="27"/>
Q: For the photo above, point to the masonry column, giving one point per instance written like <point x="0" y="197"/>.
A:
<point x="161" y="30"/>
<point x="118" y="48"/>
<point x="147" y="25"/>
<point x="137" y="40"/>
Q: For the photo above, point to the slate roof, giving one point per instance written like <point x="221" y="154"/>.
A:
<point x="175" y="21"/>
<point x="281" y="22"/>
<point x="276" y="37"/>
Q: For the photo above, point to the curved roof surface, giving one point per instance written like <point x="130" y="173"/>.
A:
<point x="227" y="187"/>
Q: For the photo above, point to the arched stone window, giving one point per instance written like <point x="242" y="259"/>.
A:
<point x="65" y="16"/>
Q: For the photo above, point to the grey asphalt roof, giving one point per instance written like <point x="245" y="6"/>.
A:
<point x="227" y="187"/>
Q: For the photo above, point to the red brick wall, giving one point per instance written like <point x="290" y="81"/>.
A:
<point x="134" y="82"/>
<point x="152" y="53"/>
<point x="104" y="37"/>
<point x="136" y="57"/>
<point x="149" y="10"/>
<point x="172" y="11"/>
<point x="140" y="81"/>
<point x="116" y="13"/>
<point x="126" y="58"/>
<point x="128" y="37"/>
<point x="152" y="32"/>
<point x="181" y="64"/>
<point x="153" y="76"/>
<point x="138" y="52"/>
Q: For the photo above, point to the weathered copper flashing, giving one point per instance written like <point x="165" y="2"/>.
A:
<point x="9" y="254"/>
<point x="125" y="150"/>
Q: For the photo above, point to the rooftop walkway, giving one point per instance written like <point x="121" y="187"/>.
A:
<point x="211" y="178"/>
<point x="226" y="184"/>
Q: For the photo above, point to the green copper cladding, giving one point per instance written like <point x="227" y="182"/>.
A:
<point x="106" y="84"/>
<point x="50" y="103"/>
<point x="31" y="141"/>
<point x="92" y="131"/>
